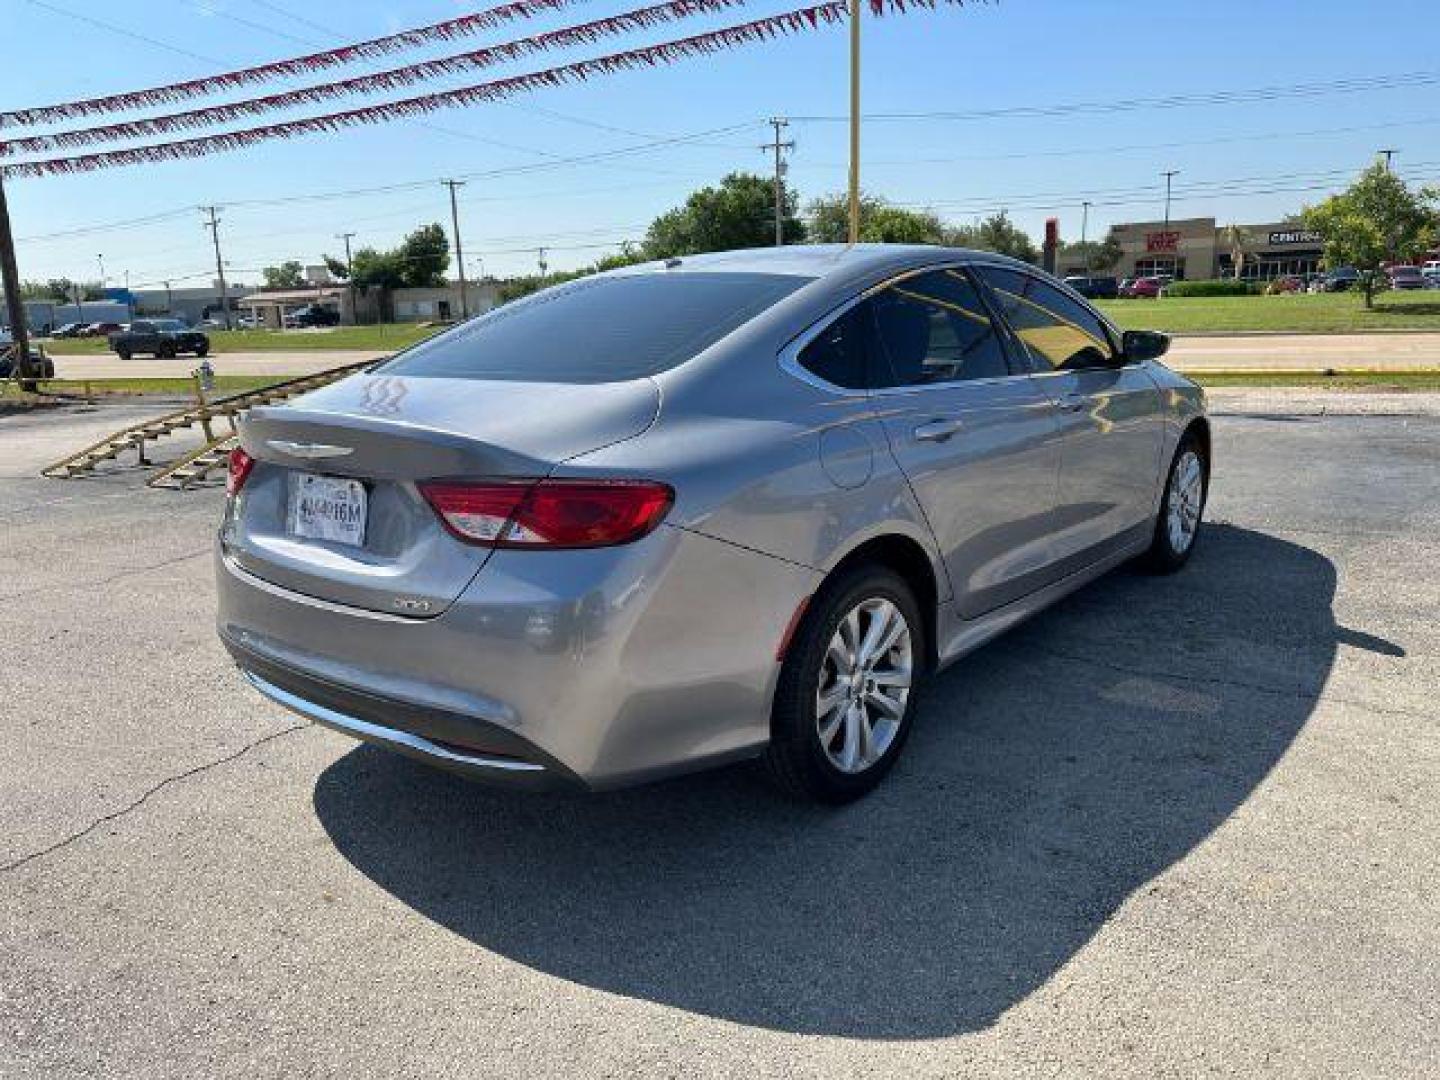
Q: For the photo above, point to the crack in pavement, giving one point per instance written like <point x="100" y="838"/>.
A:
<point x="132" y="572"/>
<point x="115" y="815"/>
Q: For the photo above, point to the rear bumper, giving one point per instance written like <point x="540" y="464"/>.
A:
<point x="484" y="752"/>
<point x="595" y="668"/>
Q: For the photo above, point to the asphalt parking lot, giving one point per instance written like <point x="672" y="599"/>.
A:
<point x="1172" y="827"/>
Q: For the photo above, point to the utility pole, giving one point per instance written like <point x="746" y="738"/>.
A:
<point x="779" y="124"/>
<point x="14" y="305"/>
<point x="214" y="226"/>
<point x="350" y="273"/>
<point x="544" y="266"/>
<point x="101" y="260"/>
<point x="169" y="299"/>
<point x="1085" y="233"/>
<point x="459" y="251"/>
<point x="1387" y="155"/>
<point x="1169" y="175"/>
<point x="854" y="230"/>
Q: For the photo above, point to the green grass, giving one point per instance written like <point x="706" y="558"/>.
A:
<point x="1302" y="313"/>
<point x="388" y="337"/>
<point x="224" y="384"/>
<point x="1377" y="381"/>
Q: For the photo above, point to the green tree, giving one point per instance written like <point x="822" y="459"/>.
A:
<point x="288" y="275"/>
<point x="1378" y="218"/>
<point x="424" y="256"/>
<point x="739" y="213"/>
<point x="1095" y="257"/>
<point x="999" y="234"/>
<point x="827" y="221"/>
<point x="419" y="262"/>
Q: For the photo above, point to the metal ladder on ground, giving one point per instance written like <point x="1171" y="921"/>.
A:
<point x="201" y="414"/>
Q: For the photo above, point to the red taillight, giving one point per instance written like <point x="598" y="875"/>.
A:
<point x="549" y="513"/>
<point x="240" y="465"/>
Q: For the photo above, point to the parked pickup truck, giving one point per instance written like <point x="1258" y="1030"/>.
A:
<point x="159" y="337"/>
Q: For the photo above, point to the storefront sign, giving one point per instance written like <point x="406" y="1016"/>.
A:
<point x="1162" y="241"/>
<point x="1297" y="236"/>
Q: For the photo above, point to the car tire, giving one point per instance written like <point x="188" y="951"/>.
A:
<point x="839" y="756"/>
<point x="165" y="351"/>
<point x="202" y="352"/>
<point x="1182" y="508"/>
<point x="124" y="354"/>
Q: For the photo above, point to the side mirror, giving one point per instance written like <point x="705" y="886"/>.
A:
<point x="1137" y="346"/>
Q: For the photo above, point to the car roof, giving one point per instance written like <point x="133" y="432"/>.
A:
<point x="822" y="260"/>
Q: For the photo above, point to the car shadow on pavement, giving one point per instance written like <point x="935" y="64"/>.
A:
<point x="1050" y="776"/>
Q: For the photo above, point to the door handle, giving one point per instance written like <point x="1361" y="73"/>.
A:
<point x="1072" y="403"/>
<point x="936" y="430"/>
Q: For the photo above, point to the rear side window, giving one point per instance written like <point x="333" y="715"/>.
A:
<point x="599" y="329"/>
<point x="840" y="352"/>
<point x="933" y="328"/>
<point x="1058" y="332"/>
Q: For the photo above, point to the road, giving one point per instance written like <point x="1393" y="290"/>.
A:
<point x="1173" y="827"/>
<point x="1294" y="352"/>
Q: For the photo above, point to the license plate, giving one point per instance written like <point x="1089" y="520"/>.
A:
<point x="327" y="508"/>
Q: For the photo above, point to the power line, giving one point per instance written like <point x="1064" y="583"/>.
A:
<point x="1101" y="151"/>
<point x="125" y="32"/>
<point x="1359" y="84"/>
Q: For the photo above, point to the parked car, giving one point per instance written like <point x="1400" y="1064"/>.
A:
<point x="732" y="505"/>
<point x="1342" y="279"/>
<point x="1431" y="273"/>
<point x="1145" y="288"/>
<point x="101" y="329"/>
<point x="68" y="330"/>
<point x="42" y="366"/>
<point x="1406" y="277"/>
<point x="1095" y="287"/>
<point x="313" y="315"/>
<point x="159" y="337"/>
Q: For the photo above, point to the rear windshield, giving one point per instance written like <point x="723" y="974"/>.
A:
<point x="599" y="329"/>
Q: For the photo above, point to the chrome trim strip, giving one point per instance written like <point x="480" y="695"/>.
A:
<point x="363" y="729"/>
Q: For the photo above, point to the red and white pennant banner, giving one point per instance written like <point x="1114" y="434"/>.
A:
<point x="584" y="33"/>
<point x="449" y="30"/>
<point x="797" y="21"/>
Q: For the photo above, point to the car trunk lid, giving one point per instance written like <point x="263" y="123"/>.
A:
<point x="331" y="508"/>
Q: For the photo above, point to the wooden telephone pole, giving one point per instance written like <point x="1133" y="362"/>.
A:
<point x="14" y="305"/>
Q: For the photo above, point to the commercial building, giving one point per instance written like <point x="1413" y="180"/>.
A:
<point x="192" y="305"/>
<point x="1198" y="248"/>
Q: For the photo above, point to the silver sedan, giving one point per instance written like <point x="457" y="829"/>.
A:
<point x="721" y="507"/>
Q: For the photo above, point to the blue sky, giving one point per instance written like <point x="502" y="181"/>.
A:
<point x="1250" y="162"/>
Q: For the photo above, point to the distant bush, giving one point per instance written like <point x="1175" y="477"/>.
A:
<point x="1223" y="287"/>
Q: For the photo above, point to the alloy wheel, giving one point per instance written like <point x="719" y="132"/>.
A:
<point x="864" y="685"/>
<point x="1185" y="501"/>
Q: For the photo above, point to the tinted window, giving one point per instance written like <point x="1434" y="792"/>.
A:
<point x="168" y="325"/>
<point x="1058" y="332"/>
<point x="141" y="328"/>
<point x="838" y="354"/>
<point x="933" y="328"/>
<point x="599" y="329"/>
